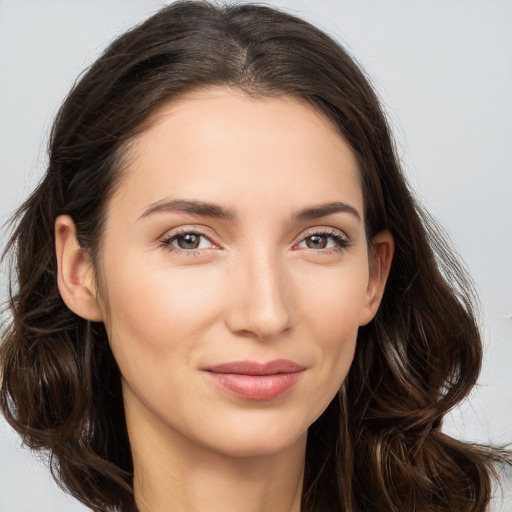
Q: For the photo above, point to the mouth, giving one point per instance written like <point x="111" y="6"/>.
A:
<point x="255" y="381"/>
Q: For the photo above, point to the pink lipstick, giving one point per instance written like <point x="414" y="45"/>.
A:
<point x="256" y="381"/>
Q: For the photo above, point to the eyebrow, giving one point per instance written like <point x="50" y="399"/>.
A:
<point x="323" y="210"/>
<point x="193" y="207"/>
<point x="190" y="207"/>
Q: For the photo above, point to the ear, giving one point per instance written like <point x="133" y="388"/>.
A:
<point x="75" y="273"/>
<point x="381" y="255"/>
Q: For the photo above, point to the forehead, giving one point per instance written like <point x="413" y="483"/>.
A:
<point x="226" y="146"/>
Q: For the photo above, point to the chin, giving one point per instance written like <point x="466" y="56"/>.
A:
<point x="258" y="440"/>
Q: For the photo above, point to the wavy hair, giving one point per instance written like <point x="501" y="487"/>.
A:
<point x="378" y="446"/>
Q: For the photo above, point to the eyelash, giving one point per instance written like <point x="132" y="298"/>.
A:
<point x="341" y="240"/>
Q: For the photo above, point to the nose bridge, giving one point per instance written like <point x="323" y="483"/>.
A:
<point x="260" y="305"/>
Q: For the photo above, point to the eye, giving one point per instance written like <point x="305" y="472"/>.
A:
<point x="325" y="241"/>
<point x="187" y="241"/>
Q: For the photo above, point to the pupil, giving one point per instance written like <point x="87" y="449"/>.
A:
<point x="316" y="242"/>
<point x="189" y="241"/>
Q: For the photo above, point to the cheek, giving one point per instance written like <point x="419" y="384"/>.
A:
<point x="333" y="308"/>
<point x="335" y="301"/>
<point x="335" y="335"/>
<point x="153" y="308"/>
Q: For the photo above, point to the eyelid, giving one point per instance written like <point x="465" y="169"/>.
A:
<point x="191" y="228"/>
<point x="322" y="230"/>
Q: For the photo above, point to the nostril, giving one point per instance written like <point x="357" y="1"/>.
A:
<point x="262" y="319"/>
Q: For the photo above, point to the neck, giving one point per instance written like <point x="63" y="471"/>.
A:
<point x="173" y="474"/>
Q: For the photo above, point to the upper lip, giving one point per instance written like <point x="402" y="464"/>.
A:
<point x="257" y="368"/>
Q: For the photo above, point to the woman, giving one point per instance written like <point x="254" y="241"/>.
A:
<point x="222" y="217"/>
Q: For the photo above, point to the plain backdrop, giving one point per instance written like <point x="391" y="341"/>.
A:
<point x="443" y="69"/>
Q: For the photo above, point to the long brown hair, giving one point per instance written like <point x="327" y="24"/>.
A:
<point x="378" y="446"/>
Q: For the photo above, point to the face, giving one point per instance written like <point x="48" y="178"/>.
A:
<point x="235" y="272"/>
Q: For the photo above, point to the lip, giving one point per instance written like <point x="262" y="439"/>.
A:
<point x="251" y="380"/>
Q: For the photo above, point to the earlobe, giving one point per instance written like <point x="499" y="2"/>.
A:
<point x="75" y="273"/>
<point x="382" y="251"/>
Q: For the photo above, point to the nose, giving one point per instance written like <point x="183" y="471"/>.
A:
<point x="260" y="292"/>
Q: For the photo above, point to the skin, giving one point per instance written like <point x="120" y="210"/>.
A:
<point x="261" y="285"/>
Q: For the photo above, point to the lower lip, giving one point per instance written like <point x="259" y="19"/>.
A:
<point x="255" y="387"/>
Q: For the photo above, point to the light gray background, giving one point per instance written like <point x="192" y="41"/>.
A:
<point x="444" y="71"/>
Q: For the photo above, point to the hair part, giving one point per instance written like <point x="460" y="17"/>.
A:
<point x="419" y="357"/>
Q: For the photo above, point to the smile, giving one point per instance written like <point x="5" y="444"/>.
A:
<point x="256" y="381"/>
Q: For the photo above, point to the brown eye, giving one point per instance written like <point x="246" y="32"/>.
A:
<point x="316" y="241"/>
<point x="188" y="241"/>
<point x="325" y="242"/>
